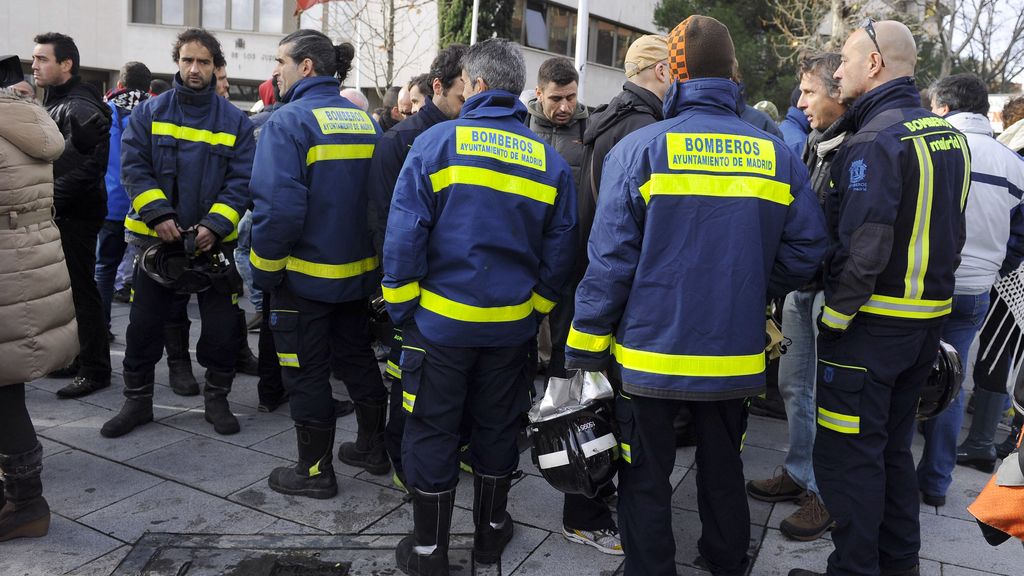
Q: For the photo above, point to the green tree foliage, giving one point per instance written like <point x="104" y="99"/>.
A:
<point x="456" y="20"/>
<point x="765" y="76"/>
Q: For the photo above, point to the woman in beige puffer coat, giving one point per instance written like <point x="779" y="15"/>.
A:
<point x="37" y="319"/>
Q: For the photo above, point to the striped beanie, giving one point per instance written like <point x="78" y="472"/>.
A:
<point x="700" y="47"/>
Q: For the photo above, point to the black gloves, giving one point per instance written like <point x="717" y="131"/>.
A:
<point x="85" y="136"/>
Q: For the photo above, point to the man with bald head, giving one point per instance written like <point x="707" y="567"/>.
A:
<point x="896" y="227"/>
<point x="356" y="97"/>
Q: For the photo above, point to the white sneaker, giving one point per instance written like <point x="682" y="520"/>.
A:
<point x="606" y="541"/>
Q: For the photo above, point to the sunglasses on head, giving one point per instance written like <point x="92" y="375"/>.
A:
<point x="869" y="27"/>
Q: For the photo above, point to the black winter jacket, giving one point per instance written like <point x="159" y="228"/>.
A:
<point x="79" y="191"/>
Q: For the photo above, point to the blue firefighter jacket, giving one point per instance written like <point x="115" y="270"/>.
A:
<point x="309" y="196"/>
<point x="700" y="219"/>
<point x="482" y="228"/>
<point x="895" y="212"/>
<point x="186" y="155"/>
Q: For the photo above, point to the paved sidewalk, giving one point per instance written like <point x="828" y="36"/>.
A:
<point x="177" y="476"/>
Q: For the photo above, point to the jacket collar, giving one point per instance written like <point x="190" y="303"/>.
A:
<point x="970" y="123"/>
<point x="431" y="114"/>
<point x="794" y="114"/>
<point x="708" y="95"/>
<point x="1013" y="137"/>
<point x="494" y="104"/>
<point x="646" y="96"/>
<point x="190" y="97"/>
<point x="312" y="85"/>
<point x="898" y="93"/>
<point x="55" y="93"/>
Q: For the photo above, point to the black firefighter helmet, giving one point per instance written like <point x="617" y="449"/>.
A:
<point x="576" y="451"/>
<point x="943" y="383"/>
<point x="180" y="267"/>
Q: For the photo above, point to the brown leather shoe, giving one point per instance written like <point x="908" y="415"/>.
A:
<point x="809" y="522"/>
<point x="778" y="488"/>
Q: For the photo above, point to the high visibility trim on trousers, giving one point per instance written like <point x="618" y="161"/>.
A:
<point x="339" y="152"/>
<point x="688" y="365"/>
<point x="918" y="250"/>
<point x="193" y="134"/>
<point x="468" y="313"/>
<point x="915" y="308"/>
<point x="290" y="360"/>
<point x="848" y="367"/>
<point x="721" y="186"/>
<point x="226" y="211"/>
<point x="147" y="197"/>
<point x="627" y="454"/>
<point x="835" y="319"/>
<point x="393" y="369"/>
<point x="588" y="342"/>
<point x="842" y="423"/>
<point x="408" y="401"/>
<point x="507" y="183"/>
<point x="403" y="293"/>
<point x="314" y="269"/>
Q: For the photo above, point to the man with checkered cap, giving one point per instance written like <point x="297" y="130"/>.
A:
<point x="701" y="218"/>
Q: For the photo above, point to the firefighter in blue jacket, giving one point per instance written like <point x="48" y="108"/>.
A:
<point x="700" y="220"/>
<point x="186" y="159"/>
<point x="311" y="252"/>
<point x="896" y="226"/>
<point x="479" y="244"/>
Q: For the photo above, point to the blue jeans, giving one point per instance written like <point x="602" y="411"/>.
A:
<point x="110" y="247"/>
<point x="126" y="271"/>
<point x="935" y="471"/>
<point x="797" y="372"/>
<point x="242" y="259"/>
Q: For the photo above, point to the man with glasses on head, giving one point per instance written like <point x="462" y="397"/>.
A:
<point x="896" y="227"/>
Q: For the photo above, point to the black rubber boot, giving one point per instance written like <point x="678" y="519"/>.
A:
<point x="313" y="476"/>
<point x="425" y="552"/>
<point x="368" y="451"/>
<point x="493" y="524"/>
<point x="978" y="450"/>
<point x="215" y="396"/>
<point x="25" y="513"/>
<point x="246" y="363"/>
<point x="179" y="363"/>
<point x="1010" y="444"/>
<point x="138" y="405"/>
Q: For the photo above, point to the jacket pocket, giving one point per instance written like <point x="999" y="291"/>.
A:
<point x="412" y="375"/>
<point x="285" y="326"/>
<point x="165" y="158"/>
<point x="839" y="390"/>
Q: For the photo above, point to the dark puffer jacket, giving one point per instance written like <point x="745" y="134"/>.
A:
<point x="79" y="191"/>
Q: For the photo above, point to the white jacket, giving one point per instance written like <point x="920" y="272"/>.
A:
<point x="994" y="214"/>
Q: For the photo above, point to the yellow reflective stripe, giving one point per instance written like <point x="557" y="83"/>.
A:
<point x="339" y="152"/>
<point x="403" y="293"/>
<point x="232" y="236"/>
<point x="288" y="359"/>
<point x="688" y="365"/>
<point x="720" y="186"/>
<point x="393" y="369"/>
<point x="541" y="304"/>
<point x="474" y="176"/>
<point x="138" y="227"/>
<point x="332" y="271"/>
<point x="408" y="401"/>
<point x="917" y="251"/>
<point x="588" y="342"/>
<point x="835" y="319"/>
<point x="314" y="470"/>
<point x="627" y="454"/>
<point x="916" y="308"/>
<point x="226" y="211"/>
<point x="467" y="313"/>
<point x="847" y="366"/>
<point x="193" y="134"/>
<point x="266" y="264"/>
<point x="147" y="197"/>
<point x="842" y="423"/>
<point x="967" y="171"/>
<point x="234" y="298"/>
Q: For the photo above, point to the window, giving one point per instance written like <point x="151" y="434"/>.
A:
<point x="172" y="12"/>
<point x="214" y="14"/>
<point x="144" y="11"/>
<point x="536" y="27"/>
<point x="609" y="42"/>
<point x="552" y="28"/>
<point x="242" y="13"/>
<point x="272" y="16"/>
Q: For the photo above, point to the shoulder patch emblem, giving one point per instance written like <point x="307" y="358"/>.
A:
<point x="858" y="171"/>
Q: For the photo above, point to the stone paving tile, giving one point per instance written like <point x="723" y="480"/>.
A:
<point x="67" y="546"/>
<point x="967" y="484"/>
<point x="46" y="411"/>
<point x="284" y="445"/>
<point x="85" y="435"/>
<point x="50" y="447"/>
<point x="760" y="462"/>
<point x="171" y="507"/>
<point x="289" y="527"/>
<point x="557" y="556"/>
<point x="357" y="505"/>
<point x="209" y="465"/>
<point x="778" y="554"/>
<point x="524" y="542"/>
<point x="770" y="433"/>
<point x="686" y="529"/>
<point x="104" y="565"/>
<point x="400" y="522"/>
<point x="954" y="541"/>
<point x="165" y="402"/>
<point x="255" y="426"/>
<point x="98" y="483"/>
<point x="533" y="502"/>
<point x="953" y="570"/>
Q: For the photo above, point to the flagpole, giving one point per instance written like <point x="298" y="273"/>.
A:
<point x="476" y="18"/>
<point x="582" y="30"/>
<point x="359" y="49"/>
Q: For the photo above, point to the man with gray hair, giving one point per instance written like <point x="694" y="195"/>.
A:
<point x="479" y="245"/>
<point x="356" y="97"/>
